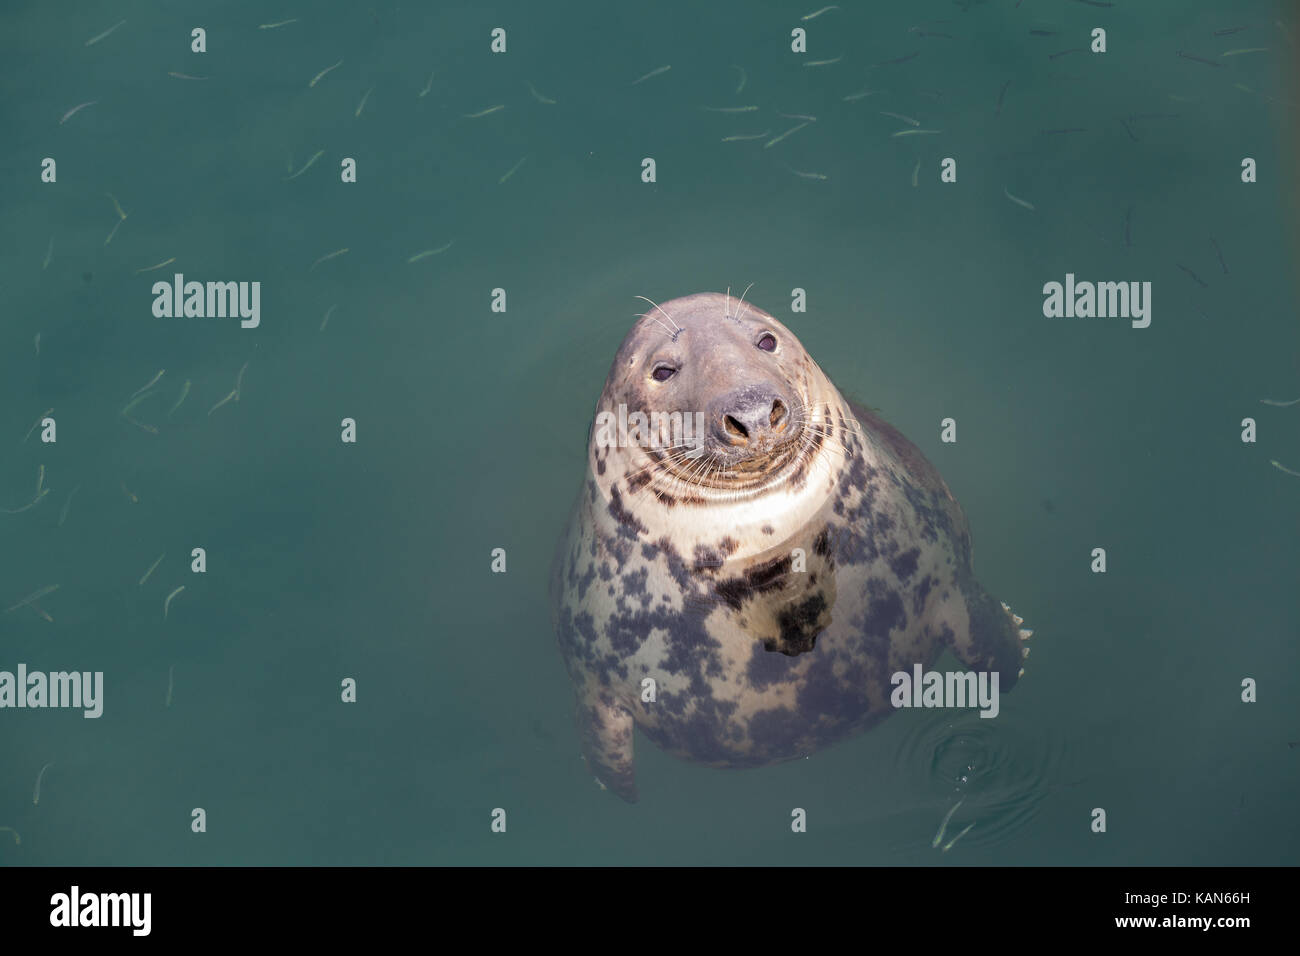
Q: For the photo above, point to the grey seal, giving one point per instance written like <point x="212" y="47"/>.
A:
<point x="742" y="592"/>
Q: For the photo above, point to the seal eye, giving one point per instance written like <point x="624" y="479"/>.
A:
<point x="767" y="342"/>
<point x="663" y="373"/>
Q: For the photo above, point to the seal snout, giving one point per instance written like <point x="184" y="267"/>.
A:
<point x="752" y="418"/>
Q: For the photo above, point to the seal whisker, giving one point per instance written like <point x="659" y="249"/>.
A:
<point x="850" y="423"/>
<point x="645" y="315"/>
<point x="659" y="322"/>
<point x="742" y="301"/>
<point x="830" y="442"/>
<point x="666" y="466"/>
<point x="658" y="462"/>
<point x="662" y="312"/>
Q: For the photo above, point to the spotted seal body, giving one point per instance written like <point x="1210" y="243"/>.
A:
<point x="768" y="575"/>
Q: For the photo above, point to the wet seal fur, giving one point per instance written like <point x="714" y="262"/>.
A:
<point x="682" y="564"/>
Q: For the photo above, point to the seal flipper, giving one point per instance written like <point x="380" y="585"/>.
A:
<point x="606" y="729"/>
<point x="995" y="640"/>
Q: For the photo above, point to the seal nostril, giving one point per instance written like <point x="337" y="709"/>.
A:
<point x="778" y="416"/>
<point x="735" y="428"/>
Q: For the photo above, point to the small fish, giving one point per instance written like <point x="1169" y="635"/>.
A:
<point x="729" y="109"/>
<point x="1274" y="402"/>
<point x="740" y="137"/>
<point x="75" y="110"/>
<point x="148" y="385"/>
<point x="185" y="390"/>
<point x="824" y="62"/>
<point x="897" y="60"/>
<point x="44" y="415"/>
<point x="916" y="171"/>
<point x="170" y="675"/>
<point x="1059" y="53"/>
<point x="490" y="109"/>
<point x="27" y="507"/>
<point x="1001" y="93"/>
<point x="1228" y="31"/>
<point x="1128" y="130"/>
<point x="362" y="104"/>
<point x="427" y="87"/>
<point x="239" y="381"/>
<point x="49" y="254"/>
<point x="915" y="132"/>
<point x="744" y="78"/>
<point x="145" y="577"/>
<point x="317" y="78"/>
<point x="511" y="171"/>
<point x="222" y="402"/>
<point x="185" y="76"/>
<point x="539" y="97"/>
<point x="772" y="142"/>
<point x="1219" y="252"/>
<point x="34" y="596"/>
<point x="278" y="23"/>
<point x="1253" y="49"/>
<point x="327" y="316"/>
<point x="134" y="401"/>
<point x="1195" y="277"/>
<point x="36" y="794"/>
<point x="310" y="162"/>
<point x="429" y="252"/>
<point x="129" y="494"/>
<point x="798" y="116"/>
<point x="116" y="205"/>
<point x="18" y="841"/>
<point x="655" y="72"/>
<point x="168" y="603"/>
<point x="328" y="256"/>
<point x="165" y="262"/>
<point x="853" y="97"/>
<point x="1280" y="467"/>
<point x="900" y="116"/>
<point x="817" y="13"/>
<point x="1015" y="199"/>
<point x="948" y="845"/>
<point x="63" y="514"/>
<point x="113" y="233"/>
<point x="938" y="837"/>
<point x="808" y="175"/>
<point x="36" y="340"/>
<point x="1199" y="59"/>
<point x="95" y="39"/>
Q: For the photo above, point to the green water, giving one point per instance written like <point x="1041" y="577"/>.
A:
<point x="371" y="560"/>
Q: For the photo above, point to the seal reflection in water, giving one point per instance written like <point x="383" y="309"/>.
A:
<point x="770" y="576"/>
